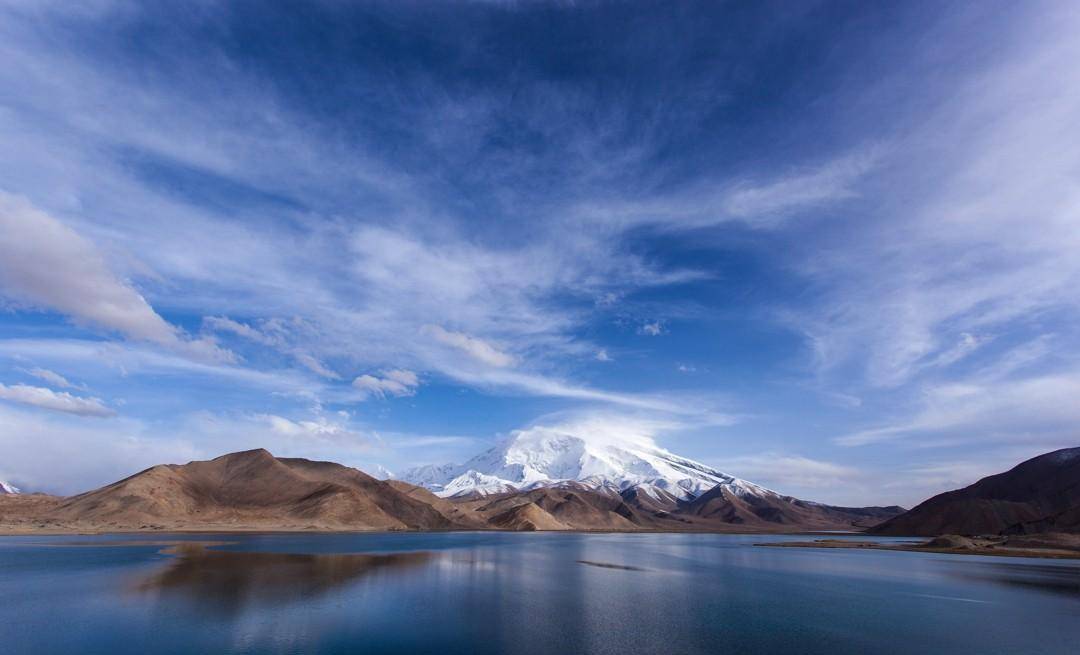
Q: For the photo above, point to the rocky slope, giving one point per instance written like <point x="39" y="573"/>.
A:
<point x="572" y="506"/>
<point x="1039" y="495"/>
<point x="720" y="504"/>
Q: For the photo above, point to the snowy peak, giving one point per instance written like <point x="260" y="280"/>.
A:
<point x="474" y="482"/>
<point x="6" y="488"/>
<point x="547" y="457"/>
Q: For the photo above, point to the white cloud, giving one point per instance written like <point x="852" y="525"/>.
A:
<point x="609" y="299"/>
<point x="654" y="329"/>
<point x="53" y="378"/>
<point x="982" y="409"/>
<point x="784" y="472"/>
<point x="135" y="359"/>
<point x="58" y="401"/>
<point x="321" y="428"/>
<point x="476" y="348"/>
<point x="606" y="427"/>
<point x="45" y="263"/>
<point x="274" y="334"/>
<point x="602" y="355"/>
<point x="396" y="382"/>
<point x="226" y="324"/>
<point x="315" y="366"/>
<point x="765" y="204"/>
<point x="701" y="406"/>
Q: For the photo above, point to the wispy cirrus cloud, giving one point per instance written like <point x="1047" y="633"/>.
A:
<point x="767" y="204"/>
<point x="276" y="334"/>
<point x="1039" y="408"/>
<point x="474" y="347"/>
<point x="396" y="382"/>
<point x="982" y="239"/>
<point x="57" y="401"/>
<point x="52" y="377"/>
<point x="790" y="472"/>
<point x="45" y="263"/>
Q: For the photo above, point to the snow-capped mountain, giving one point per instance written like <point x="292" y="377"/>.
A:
<point x="543" y="456"/>
<point x="6" y="488"/>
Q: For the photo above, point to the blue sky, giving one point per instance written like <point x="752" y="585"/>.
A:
<point x="829" y="247"/>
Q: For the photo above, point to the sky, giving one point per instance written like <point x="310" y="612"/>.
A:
<point x="829" y="247"/>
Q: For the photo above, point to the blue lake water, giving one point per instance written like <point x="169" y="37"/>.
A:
<point x="522" y="593"/>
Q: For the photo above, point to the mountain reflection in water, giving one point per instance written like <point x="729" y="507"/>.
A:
<point x="229" y="581"/>
<point x="1058" y="579"/>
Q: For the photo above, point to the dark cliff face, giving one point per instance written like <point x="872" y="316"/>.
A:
<point x="1039" y="495"/>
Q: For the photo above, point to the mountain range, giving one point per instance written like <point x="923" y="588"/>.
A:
<point x="253" y="490"/>
<point x="537" y="480"/>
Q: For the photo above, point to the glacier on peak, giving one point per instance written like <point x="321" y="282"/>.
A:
<point x="545" y="456"/>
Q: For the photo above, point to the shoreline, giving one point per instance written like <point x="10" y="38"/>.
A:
<point x="984" y="548"/>
<point x="6" y="531"/>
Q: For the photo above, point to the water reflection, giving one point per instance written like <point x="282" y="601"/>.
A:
<point x="227" y="581"/>
<point x="1044" y="577"/>
<point x="525" y="594"/>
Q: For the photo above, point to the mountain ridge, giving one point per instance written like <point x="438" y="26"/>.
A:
<point x="545" y="457"/>
<point x="1041" y="494"/>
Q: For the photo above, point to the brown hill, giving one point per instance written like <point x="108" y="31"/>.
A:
<point x="526" y="517"/>
<point x="25" y="512"/>
<point x="251" y="489"/>
<point x="457" y="513"/>
<point x="1039" y="495"/>
<point x="573" y="509"/>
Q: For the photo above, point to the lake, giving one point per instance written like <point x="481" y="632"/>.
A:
<point x="520" y="593"/>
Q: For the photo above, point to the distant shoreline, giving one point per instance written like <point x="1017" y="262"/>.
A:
<point x="7" y="531"/>
<point x="1053" y="546"/>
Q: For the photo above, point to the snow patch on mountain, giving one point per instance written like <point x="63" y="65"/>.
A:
<point x="6" y="488"/>
<point x="382" y="473"/>
<point x="551" y="456"/>
<point x="472" y="482"/>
